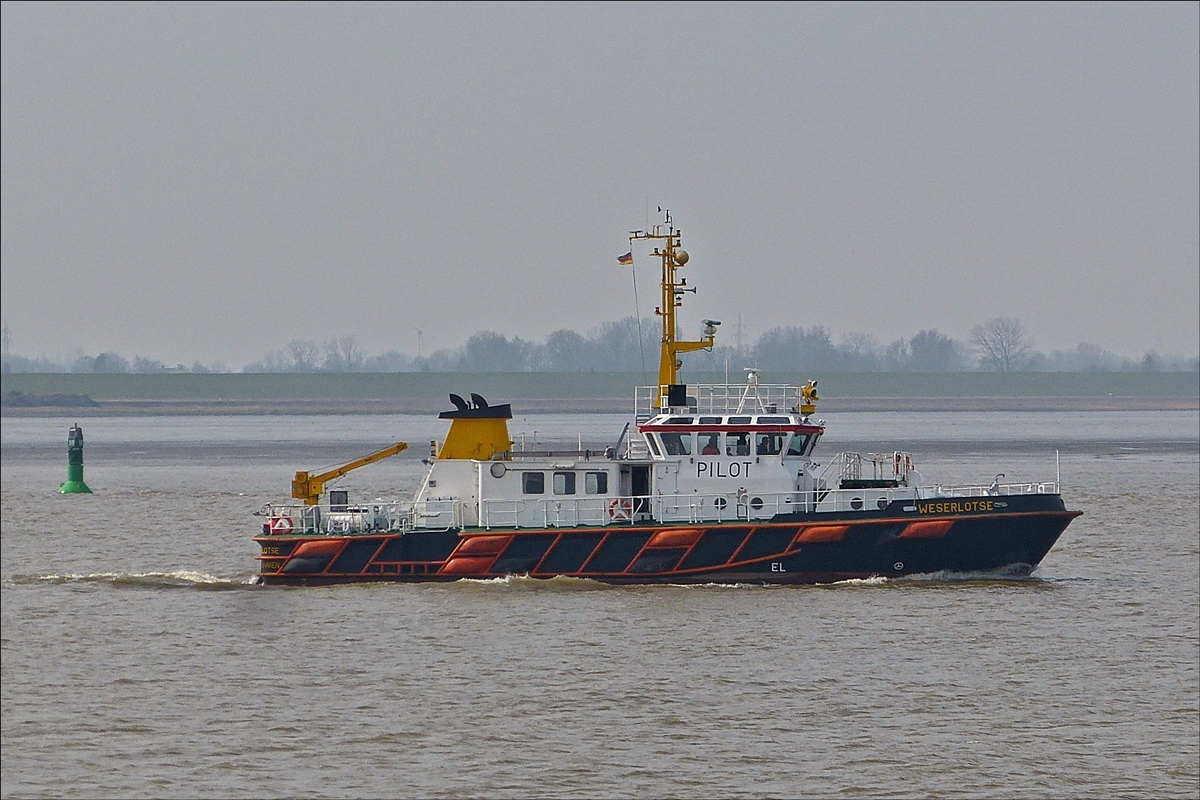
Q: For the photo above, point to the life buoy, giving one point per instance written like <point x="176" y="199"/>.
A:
<point x="281" y="526"/>
<point x="621" y="509"/>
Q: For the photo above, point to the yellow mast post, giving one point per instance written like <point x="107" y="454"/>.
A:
<point x="673" y="257"/>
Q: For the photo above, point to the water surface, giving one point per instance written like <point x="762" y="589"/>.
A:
<point x="139" y="661"/>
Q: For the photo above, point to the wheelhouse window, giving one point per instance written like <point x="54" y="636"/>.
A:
<point x="708" y="443"/>
<point x="533" y="483"/>
<point x="799" y="444"/>
<point x="677" y="444"/>
<point x="564" y="483"/>
<point x="737" y="444"/>
<point x="653" y="442"/>
<point x="710" y="420"/>
<point x="768" y="444"/>
<point x="740" y="420"/>
<point x="596" y="483"/>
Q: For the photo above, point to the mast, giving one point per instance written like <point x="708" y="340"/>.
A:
<point x="673" y="257"/>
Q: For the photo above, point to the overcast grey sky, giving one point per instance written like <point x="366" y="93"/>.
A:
<point x="209" y="181"/>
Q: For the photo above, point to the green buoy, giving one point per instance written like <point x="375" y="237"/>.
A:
<point x="74" y="484"/>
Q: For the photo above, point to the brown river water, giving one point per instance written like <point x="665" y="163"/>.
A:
<point x="140" y="661"/>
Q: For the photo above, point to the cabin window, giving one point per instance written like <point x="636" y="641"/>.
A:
<point x="533" y="482"/>
<point x="737" y="444"/>
<point x="677" y="444"/>
<point x="773" y="420"/>
<point x="650" y="440"/>
<point x="710" y="420"/>
<point x="679" y="421"/>
<point x="799" y="444"/>
<point x="768" y="444"/>
<point x="596" y="483"/>
<point x="740" y="420"/>
<point x="564" y="483"/>
<point x="708" y="443"/>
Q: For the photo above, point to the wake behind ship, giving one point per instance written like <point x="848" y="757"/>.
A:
<point x="707" y="483"/>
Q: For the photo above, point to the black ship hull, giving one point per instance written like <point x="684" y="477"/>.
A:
<point x="956" y="535"/>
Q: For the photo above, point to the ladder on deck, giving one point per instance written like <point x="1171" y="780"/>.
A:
<point x="635" y="443"/>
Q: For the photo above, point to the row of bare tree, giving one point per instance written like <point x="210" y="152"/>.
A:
<point x="1001" y="344"/>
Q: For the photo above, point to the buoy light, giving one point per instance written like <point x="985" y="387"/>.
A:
<point x="74" y="484"/>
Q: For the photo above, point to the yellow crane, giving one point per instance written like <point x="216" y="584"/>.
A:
<point x="310" y="487"/>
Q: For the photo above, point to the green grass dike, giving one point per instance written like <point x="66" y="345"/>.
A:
<point x="505" y="387"/>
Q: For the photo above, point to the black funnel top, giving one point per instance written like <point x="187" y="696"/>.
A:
<point x="481" y="410"/>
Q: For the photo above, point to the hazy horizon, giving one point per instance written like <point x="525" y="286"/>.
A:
<point x="207" y="182"/>
<point x="613" y="347"/>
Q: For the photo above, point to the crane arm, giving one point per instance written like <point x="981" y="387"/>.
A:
<point x="310" y="487"/>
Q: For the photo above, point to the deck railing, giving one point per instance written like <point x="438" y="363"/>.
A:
<point x="896" y="465"/>
<point x="402" y="517"/>
<point x="337" y="520"/>
<point x="721" y="398"/>
<point x="994" y="490"/>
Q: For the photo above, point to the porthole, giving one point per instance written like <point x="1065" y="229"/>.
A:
<point x="756" y="503"/>
<point x="856" y="503"/>
<point x="882" y="503"/>
<point x="720" y="503"/>
<point x="498" y="469"/>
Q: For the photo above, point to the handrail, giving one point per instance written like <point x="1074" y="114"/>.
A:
<point x="846" y="465"/>
<point x="994" y="490"/>
<point x="488" y="508"/>
<point x="377" y="516"/>
<point x="723" y="398"/>
<point x="380" y="516"/>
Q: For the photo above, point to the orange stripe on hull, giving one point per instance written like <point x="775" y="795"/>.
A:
<point x="821" y="533"/>
<point x="683" y="537"/>
<point x="933" y="529"/>
<point x="466" y="566"/>
<point x="482" y="545"/>
<point x="319" y="549"/>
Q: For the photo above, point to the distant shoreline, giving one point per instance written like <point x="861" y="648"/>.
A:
<point x="93" y="395"/>
<point x="590" y="405"/>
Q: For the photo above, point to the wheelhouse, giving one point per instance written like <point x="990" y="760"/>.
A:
<point x="787" y="436"/>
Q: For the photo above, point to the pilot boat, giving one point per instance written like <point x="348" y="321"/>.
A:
<point x="707" y="483"/>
